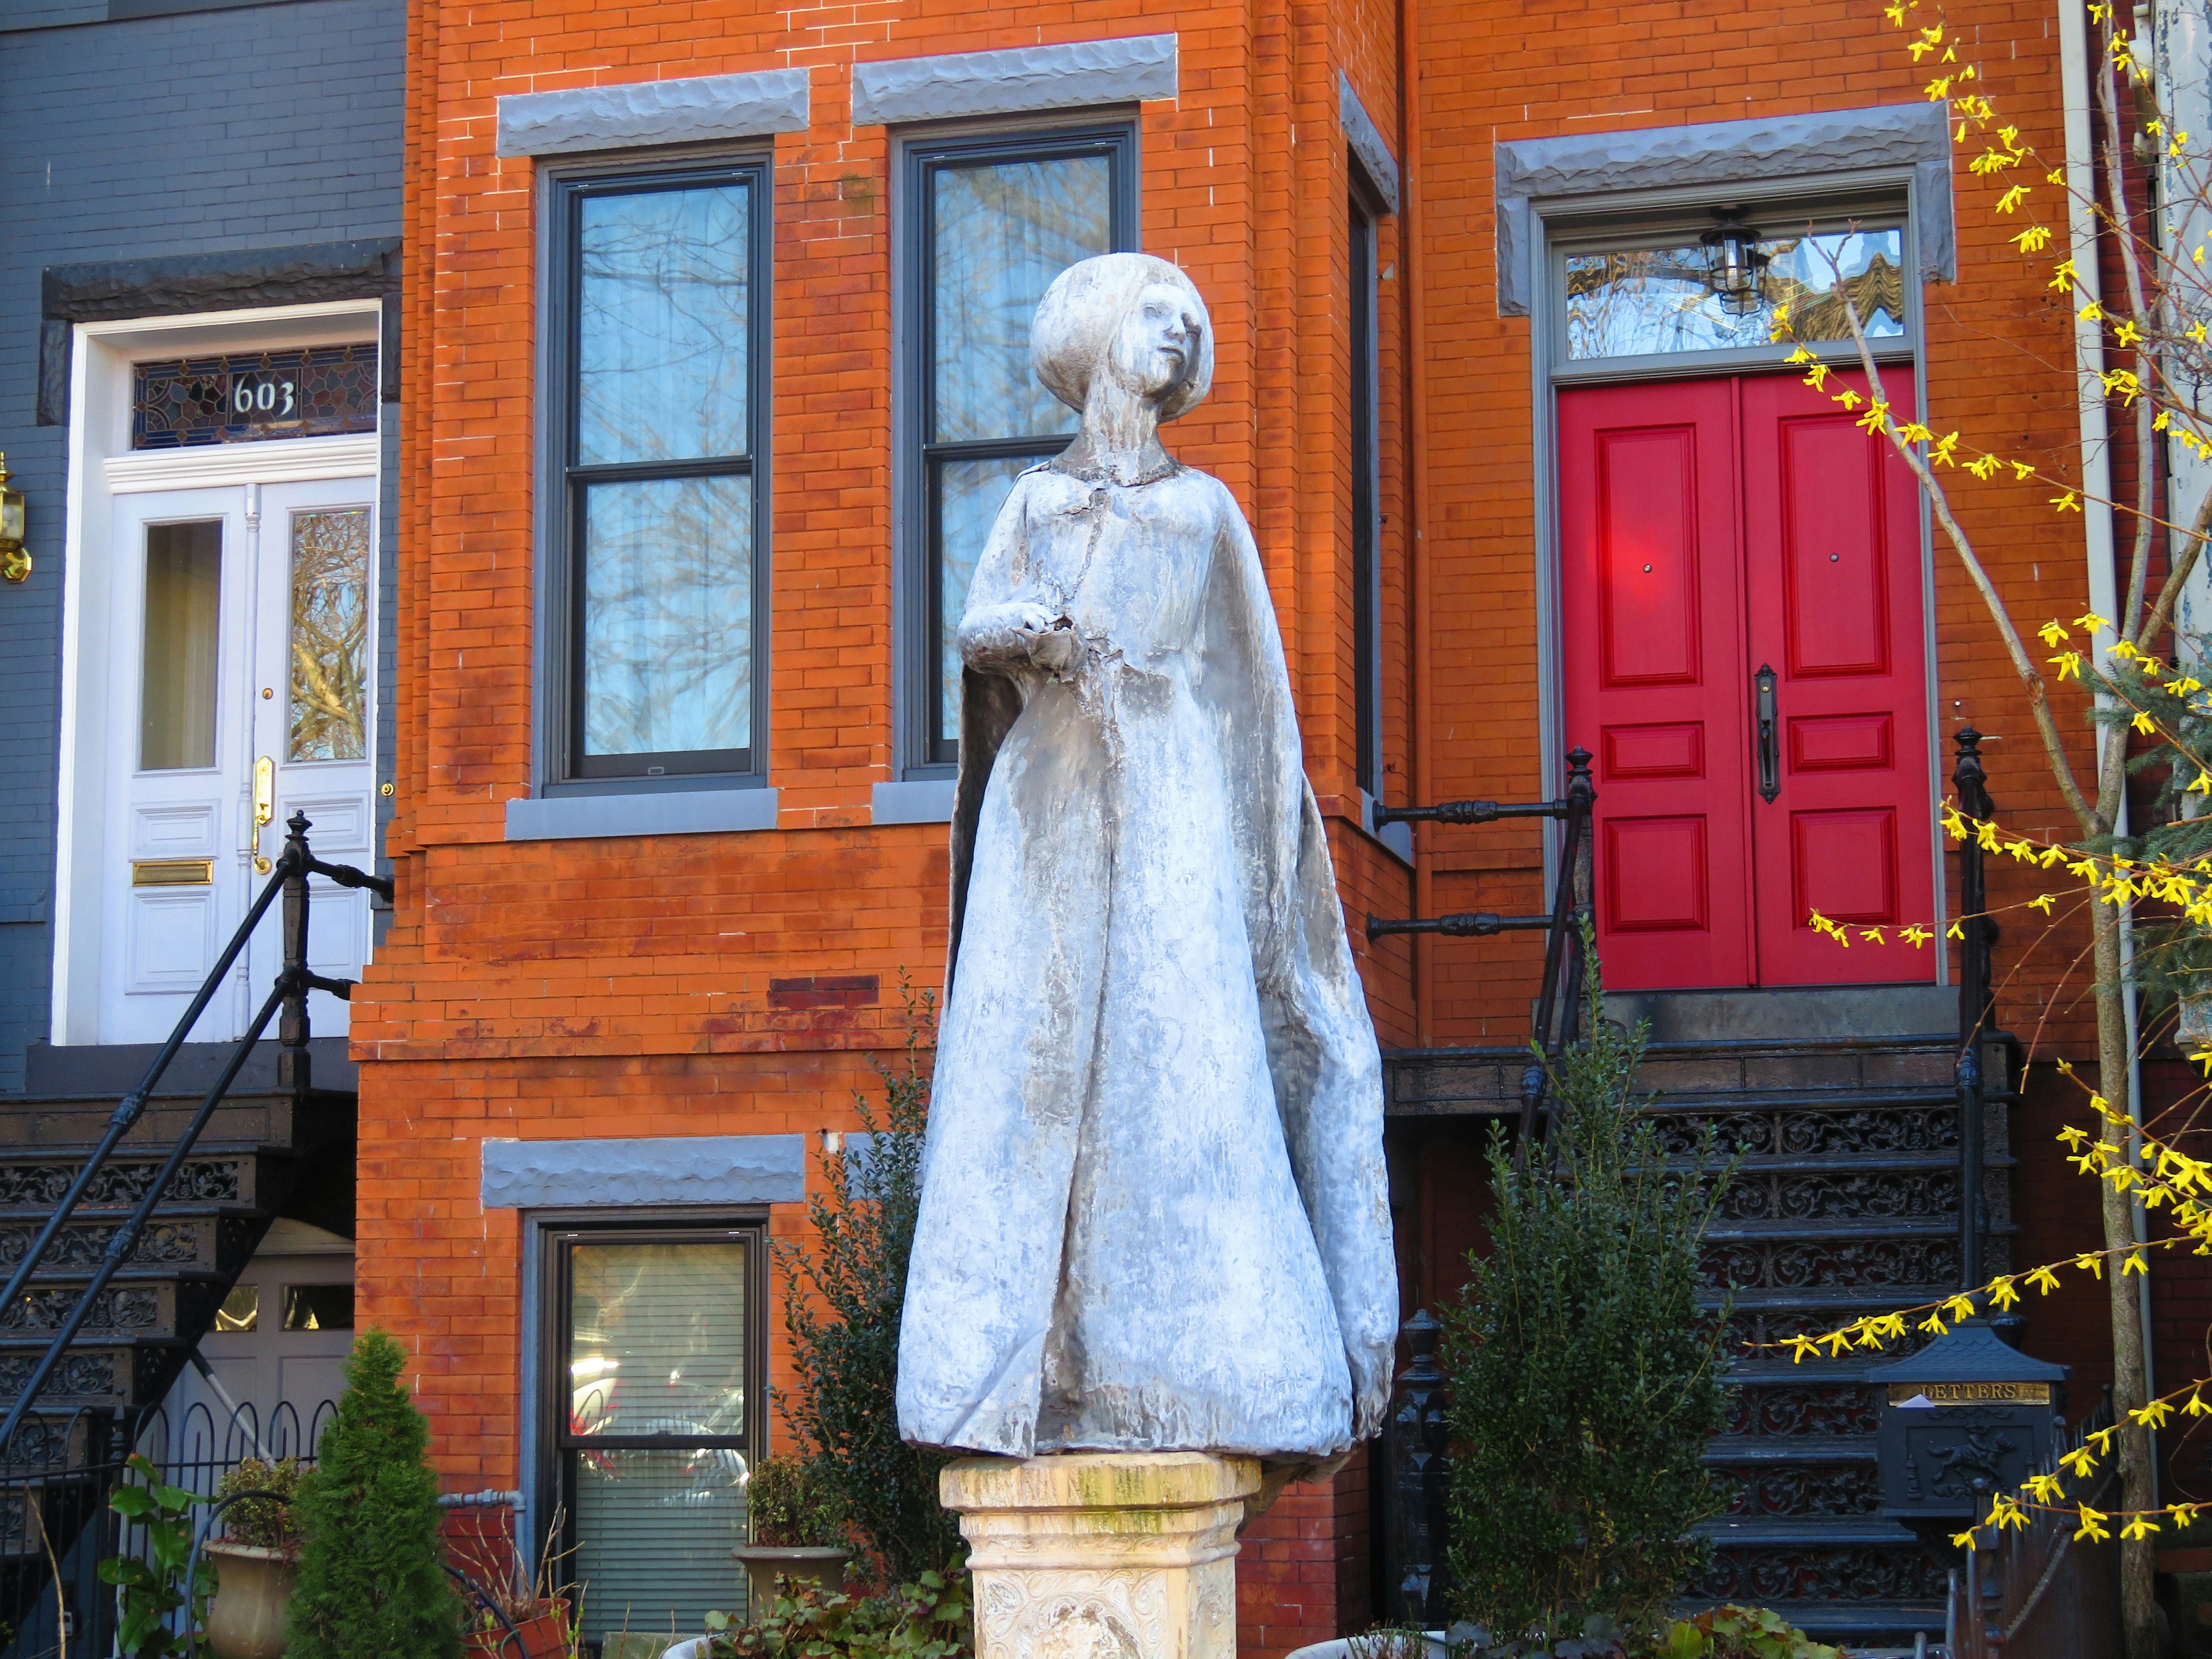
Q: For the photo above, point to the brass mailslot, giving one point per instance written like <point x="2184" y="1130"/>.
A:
<point x="172" y="872"/>
<point x="1970" y="1394"/>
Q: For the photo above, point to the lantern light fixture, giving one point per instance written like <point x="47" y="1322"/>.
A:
<point x="1737" y="274"/>
<point x="14" y="563"/>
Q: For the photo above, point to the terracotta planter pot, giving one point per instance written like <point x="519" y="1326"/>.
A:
<point x="252" y="1601"/>
<point x="544" y="1636"/>
<point x="820" y="1564"/>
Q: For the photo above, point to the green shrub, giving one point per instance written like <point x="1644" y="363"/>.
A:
<point x="792" y="1503"/>
<point x="372" y="1583"/>
<point x="847" y="1356"/>
<point x="266" y="1522"/>
<point x="1734" y="1632"/>
<point x="926" y="1619"/>
<point x="153" y="1587"/>
<point x="1584" y="1382"/>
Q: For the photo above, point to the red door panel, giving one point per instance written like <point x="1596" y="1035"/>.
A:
<point x="1656" y="687"/>
<point x="1832" y="591"/>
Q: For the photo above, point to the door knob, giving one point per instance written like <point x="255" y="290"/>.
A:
<point x="1770" y="735"/>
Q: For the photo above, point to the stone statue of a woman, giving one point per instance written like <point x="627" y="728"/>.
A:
<point x="1153" y="1213"/>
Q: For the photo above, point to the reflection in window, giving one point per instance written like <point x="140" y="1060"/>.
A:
<point x="319" y="1307"/>
<point x="662" y="527"/>
<point x="999" y="223"/>
<point x="667" y="645"/>
<point x="177" y="680"/>
<point x="654" y="1370"/>
<point x="241" y="1310"/>
<point x="661" y="347"/>
<point x="330" y="635"/>
<point x="1647" y="301"/>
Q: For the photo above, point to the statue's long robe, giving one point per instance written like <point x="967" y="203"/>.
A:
<point x="1154" y="1214"/>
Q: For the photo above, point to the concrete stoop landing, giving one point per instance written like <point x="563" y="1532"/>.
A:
<point x="1842" y="1107"/>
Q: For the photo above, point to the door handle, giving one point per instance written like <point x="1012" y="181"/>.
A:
<point x="1770" y="735"/>
<point x="264" y="807"/>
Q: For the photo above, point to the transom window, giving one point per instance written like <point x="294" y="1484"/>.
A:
<point x="994" y="222"/>
<point x="1668" y="294"/>
<point x="655" y="1397"/>
<point x="658" y="634"/>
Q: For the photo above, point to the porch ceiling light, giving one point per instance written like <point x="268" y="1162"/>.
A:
<point x="1737" y="275"/>
<point x="14" y="563"/>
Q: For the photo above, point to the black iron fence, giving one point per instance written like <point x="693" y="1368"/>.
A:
<point x="56" y="1528"/>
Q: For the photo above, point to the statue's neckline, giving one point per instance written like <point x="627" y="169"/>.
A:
<point x="1166" y="468"/>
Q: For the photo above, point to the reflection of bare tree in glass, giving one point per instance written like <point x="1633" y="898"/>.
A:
<point x="668" y="616"/>
<point x="662" y="358"/>
<point x="1648" y="300"/>
<point x="330" y="635"/>
<point x="1000" y="234"/>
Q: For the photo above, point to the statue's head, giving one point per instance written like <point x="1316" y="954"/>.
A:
<point x="1129" y="316"/>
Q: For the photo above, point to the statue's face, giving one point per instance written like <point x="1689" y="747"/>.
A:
<point x="1158" y="343"/>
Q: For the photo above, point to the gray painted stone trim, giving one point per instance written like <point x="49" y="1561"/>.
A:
<point x="920" y="801"/>
<point x="1132" y="69"/>
<point x="1365" y="140"/>
<point x="547" y="1175"/>
<point x="684" y="112"/>
<point x="1533" y="173"/>
<point x="673" y="812"/>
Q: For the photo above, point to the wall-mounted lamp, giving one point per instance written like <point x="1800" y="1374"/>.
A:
<point x="14" y="563"/>
<point x="1738" y="274"/>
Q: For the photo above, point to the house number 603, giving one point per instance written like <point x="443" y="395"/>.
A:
<point x="250" y="399"/>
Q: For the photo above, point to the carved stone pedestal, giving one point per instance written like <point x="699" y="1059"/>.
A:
<point x="1103" y="1555"/>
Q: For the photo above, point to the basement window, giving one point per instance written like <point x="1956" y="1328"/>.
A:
<point x="656" y="1389"/>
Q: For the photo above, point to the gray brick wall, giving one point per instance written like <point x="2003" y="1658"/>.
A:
<point x="188" y="134"/>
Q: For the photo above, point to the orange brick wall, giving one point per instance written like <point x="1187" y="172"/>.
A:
<point x="579" y="988"/>
<point x="574" y="989"/>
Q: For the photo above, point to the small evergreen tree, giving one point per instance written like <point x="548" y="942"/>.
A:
<point x="1584" y="1382"/>
<point x="372" y="1581"/>
<point x="842" y="1298"/>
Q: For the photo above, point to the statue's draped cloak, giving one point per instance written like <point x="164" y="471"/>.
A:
<point x="1154" y="1214"/>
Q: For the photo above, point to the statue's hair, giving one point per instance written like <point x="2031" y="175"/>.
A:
<point x="1082" y="311"/>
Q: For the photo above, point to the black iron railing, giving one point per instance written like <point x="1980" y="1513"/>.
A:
<point x="1558" y="1020"/>
<point x="1977" y="934"/>
<point x="288" y="879"/>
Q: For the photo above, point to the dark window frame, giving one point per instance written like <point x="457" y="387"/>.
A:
<point x="564" y="769"/>
<point x="556" y="1449"/>
<point x="1363" y="215"/>
<point x="929" y="754"/>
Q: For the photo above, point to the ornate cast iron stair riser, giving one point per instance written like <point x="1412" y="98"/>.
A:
<point x="118" y="1254"/>
<point x="1873" y="1173"/>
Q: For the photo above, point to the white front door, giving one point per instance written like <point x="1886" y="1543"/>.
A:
<point x="242" y="624"/>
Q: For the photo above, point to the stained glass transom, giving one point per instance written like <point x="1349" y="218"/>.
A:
<point x="182" y="403"/>
<point x="1647" y="301"/>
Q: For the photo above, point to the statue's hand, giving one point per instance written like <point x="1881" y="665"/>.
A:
<point x="1018" y="633"/>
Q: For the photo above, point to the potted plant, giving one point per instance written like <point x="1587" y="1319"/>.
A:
<point x="515" y="1613"/>
<point x="797" y="1531"/>
<point x="257" y="1560"/>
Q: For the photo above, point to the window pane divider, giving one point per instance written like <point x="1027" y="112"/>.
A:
<point x="703" y="466"/>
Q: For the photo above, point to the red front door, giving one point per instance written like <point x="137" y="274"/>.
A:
<point x="1732" y="547"/>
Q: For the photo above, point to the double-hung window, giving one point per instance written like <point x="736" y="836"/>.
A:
<point x="653" y="1407"/>
<point x="991" y="222"/>
<point x="656" y="614"/>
